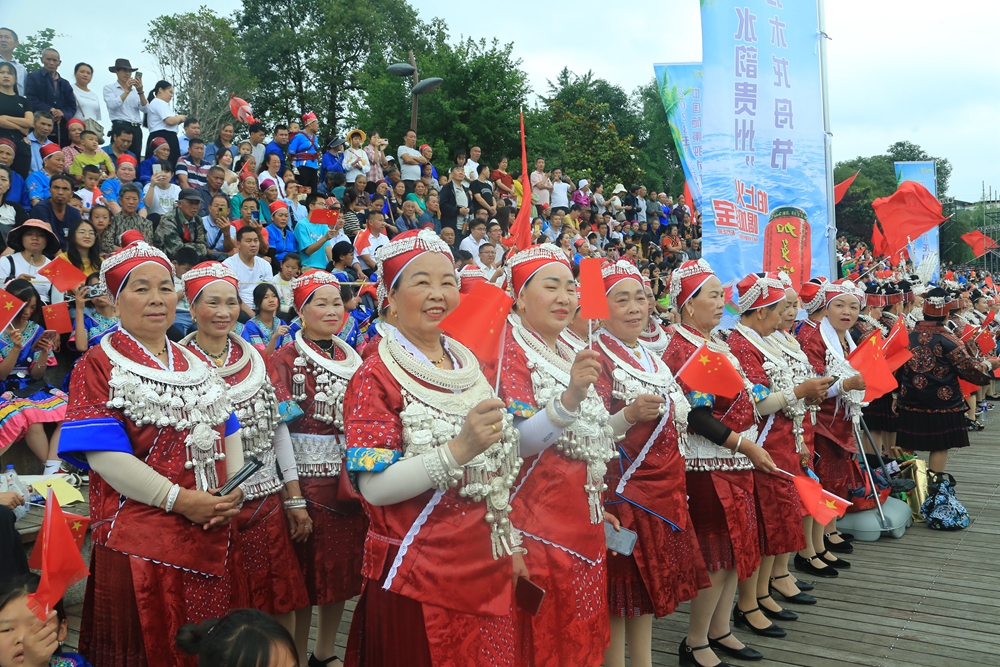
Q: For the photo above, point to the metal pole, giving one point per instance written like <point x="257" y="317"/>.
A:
<point x="831" y="213"/>
<point x="871" y="478"/>
<point x="413" y="106"/>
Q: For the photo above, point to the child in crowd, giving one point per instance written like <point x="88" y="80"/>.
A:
<point x="76" y="203"/>
<point x="183" y="261"/>
<point x="265" y="330"/>
<point x="100" y="220"/>
<point x="24" y="640"/>
<point x="91" y="178"/>
<point x="291" y="267"/>
<point x="91" y="155"/>
<point x="244" y="637"/>
<point x="161" y="194"/>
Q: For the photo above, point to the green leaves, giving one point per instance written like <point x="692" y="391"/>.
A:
<point x="29" y="51"/>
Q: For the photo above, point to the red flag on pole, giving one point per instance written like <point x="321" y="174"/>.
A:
<point x="979" y="242"/>
<point x="478" y="321"/>
<point x="968" y="388"/>
<point x="690" y="200"/>
<point x="840" y="189"/>
<point x="520" y="231"/>
<point x="62" y="564"/>
<point x="10" y="306"/>
<point x="869" y="360"/>
<point x="63" y="275"/>
<point x="906" y="214"/>
<point x="77" y="527"/>
<point x="811" y="494"/>
<point x="711" y="373"/>
<point x="989" y="283"/>
<point x="878" y="241"/>
<point x="57" y="317"/>
<point x="593" y="300"/>
<point x="986" y="342"/>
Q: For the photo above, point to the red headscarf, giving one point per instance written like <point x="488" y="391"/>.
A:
<point x="687" y="280"/>
<point x="116" y="269"/>
<point x="530" y="261"/>
<point x="204" y="274"/>
<point x="758" y="290"/>
<point x="470" y="275"/>
<point x="305" y="285"/>
<point x="404" y="248"/>
<point x="619" y="271"/>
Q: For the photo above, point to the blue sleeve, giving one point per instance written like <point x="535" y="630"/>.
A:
<point x="232" y="424"/>
<point x="103" y="434"/>
<point x="145" y="172"/>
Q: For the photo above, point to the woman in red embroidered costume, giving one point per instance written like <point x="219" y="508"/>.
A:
<point x="720" y="452"/>
<point x="827" y="347"/>
<point x="566" y="443"/>
<point x="647" y="485"/>
<point x="755" y="343"/>
<point x="155" y="426"/>
<point x="330" y="545"/>
<point x="435" y="456"/>
<point x="262" y="405"/>
<point x="654" y="336"/>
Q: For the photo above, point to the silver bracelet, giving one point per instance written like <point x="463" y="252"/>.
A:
<point x="790" y="398"/>
<point x="739" y="441"/>
<point x="558" y="415"/>
<point x="439" y="469"/>
<point x="172" y="494"/>
<point x="561" y="409"/>
<point x="295" y="504"/>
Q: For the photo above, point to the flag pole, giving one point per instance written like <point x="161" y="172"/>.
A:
<point x="871" y="477"/>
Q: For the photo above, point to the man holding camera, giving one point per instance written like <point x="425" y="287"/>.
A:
<point x="126" y="102"/>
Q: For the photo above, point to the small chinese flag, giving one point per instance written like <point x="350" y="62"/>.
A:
<point x="869" y="360"/>
<point x="711" y="373"/>
<point x="10" y="306"/>
<point x="63" y="275"/>
<point x="77" y="526"/>
<point x="898" y="339"/>
<point x="96" y="196"/>
<point x="593" y="299"/>
<point x="479" y="320"/>
<point x="986" y="342"/>
<point x="898" y="359"/>
<point x="968" y="388"/>
<point x="878" y="241"/>
<point x="821" y="504"/>
<point x="57" y="317"/>
<point x="62" y="564"/>
<point x="968" y="332"/>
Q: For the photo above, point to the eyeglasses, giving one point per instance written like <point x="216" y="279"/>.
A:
<point x="84" y="232"/>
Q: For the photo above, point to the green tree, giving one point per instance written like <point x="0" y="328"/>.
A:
<point x="313" y="55"/>
<point x="953" y="248"/>
<point x="658" y="156"/>
<point x="29" y="51"/>
<point x="198" y="53"/>
<point x="484" y="86"/>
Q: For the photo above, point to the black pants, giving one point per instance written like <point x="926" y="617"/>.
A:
<point x="13" y="560"/>
<point x="308" y="177"/>
<point x="136" y="128"/>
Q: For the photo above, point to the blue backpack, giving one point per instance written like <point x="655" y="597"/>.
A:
<point x="942" y="510"/>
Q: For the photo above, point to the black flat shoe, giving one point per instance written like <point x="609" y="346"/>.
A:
<point x="847" y="537"/>
<point x="838" y="547"/>
<point x="740" y="620"/>
<point x="745" y="653"/>
<point x="776" y="615"/>
<point x="804" y="585"/>
<point x="316" y="662"/>
<point x="798" y="598"/>
<point x="686" y="657"/>
<point x="806" y="565"/>
<point x="839" y="564"/>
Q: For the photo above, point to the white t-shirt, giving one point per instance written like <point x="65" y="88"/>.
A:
<point x="40" y="283"/>
<point x="471" y="246"/>
<point x="165" y="198"/>
<point x="157" y="112"/>
<point x="374" y="243"/>
<point x="408" y="172"/>
<point x="248" y="276"/>
<point x="88" y="104"/>
<point x="285" y="294"/>
<point x="560" y="194"/>
<point x="471" y="170"/>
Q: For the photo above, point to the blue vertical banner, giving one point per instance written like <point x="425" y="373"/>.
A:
<point x="925" y="173"/>
<point x="680" y="86"/>
<point x="764" y="173"/>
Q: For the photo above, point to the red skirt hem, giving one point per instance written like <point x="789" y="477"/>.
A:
<point x="273" y="576"/>
<point x="724" y="515"/>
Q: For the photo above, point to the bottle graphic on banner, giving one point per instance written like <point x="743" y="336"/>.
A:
<point x="787" y="244"/>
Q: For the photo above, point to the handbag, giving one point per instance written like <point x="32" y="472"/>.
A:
<point x="942" y="510"/>
<point x="95" y="127"/>
<point x="916" y="470"/>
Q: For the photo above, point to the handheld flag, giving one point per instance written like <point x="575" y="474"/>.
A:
<point x="478" y="322"/>
<point x="840" y="189"/>
<point x="593" y="300"/>
<point x="878" y="241"/>
<point x="986" y="342"/>
<point x="711" y="373"/>
<point x="63" y="275"/>
<point x="62" y="564"/>
<point x="989" y="283"/>
<point x="869" y="360"/>
<point x="968" y="388"/>
<point x="906" y="214"/>
<point x="10" y="306"/>
<point x="520" y="231"/>
<point x="240" y="109"/>
<point x="979" y="242"/>
<point x="57" y="317"/>
<point x="78" y="529"/>
<point x="820" y="503"/>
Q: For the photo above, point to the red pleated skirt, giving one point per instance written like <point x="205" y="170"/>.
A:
<point x="665" y="569"/>
<point x="779" y="513"/>
<point x="133" y="608"/>
<point x="572" y="626"/>
<point x="332" y="556"/>
<point x="724" y="515"/>
<point x="271" y="571"/>
<point x="390" y="630"/>
<point x="836" y="468"/>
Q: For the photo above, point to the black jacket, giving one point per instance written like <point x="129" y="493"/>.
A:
<point x="43" y="96"/>
<point x="449" y="205"/>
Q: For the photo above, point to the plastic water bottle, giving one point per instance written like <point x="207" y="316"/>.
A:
<point x="11" y="482"/>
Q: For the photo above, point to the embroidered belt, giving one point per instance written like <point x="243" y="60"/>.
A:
<point x="265" y="481"/>
<point x="318" y="455"/>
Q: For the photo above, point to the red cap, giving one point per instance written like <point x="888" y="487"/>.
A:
<point x="305" y="285"/>
<point x="839" y="288"/>
<point x="116" y="269"/>
<point x="75" y="121"/>
<point x="404" y="248"/>
<point x="758" y="290"/>
<point x="128" y="158"/>
<point x="811" y="294"/>
<point x="277" y="205"/>
<point x="527" y="263"/>
<point x="157" y="142"/>
<point x="687" y="280"/>
<point x="469" y="276"/>
<point x="619" y="271"/>
<point x="49" y="150"/>
<point x="204" y="274"/>
<point x="308" y="117"/>
<point x="131" y="236"/>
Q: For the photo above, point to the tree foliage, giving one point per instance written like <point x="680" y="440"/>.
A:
<point x="313" y="55"/>
<point x="28" y="52"/>
<point x="199" y="54"/>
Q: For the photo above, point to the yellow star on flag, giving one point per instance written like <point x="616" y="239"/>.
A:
<point x="832" y="504"/>
<point x="703" y="360"/>
<point x="77" y="525"/>
<point x="8" y="305"/>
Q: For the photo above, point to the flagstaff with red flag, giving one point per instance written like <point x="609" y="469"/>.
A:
<point x="62" y="564"/>
<point x="520" y="231"/>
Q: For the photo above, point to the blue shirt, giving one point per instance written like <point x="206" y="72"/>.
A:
<point x="36" y="151"/>
<point x="114" y="158"/>
<point x="146" y="170"/>
<point x="429" y="217"/>
<point x="18" y="191"/>
<point x="281" y="242"/>
<point x="273" y="147"/>
<point x="212" y="149"/>
<point x="43" y="211"/>
<point x="38" y="185"/>
<point x="306" y="147"/>
<point x="306" y="234"/>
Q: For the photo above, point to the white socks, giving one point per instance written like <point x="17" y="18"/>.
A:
<point x="52" y="467"/>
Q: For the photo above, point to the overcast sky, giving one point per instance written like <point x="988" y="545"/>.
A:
<point x="898" y="69"/>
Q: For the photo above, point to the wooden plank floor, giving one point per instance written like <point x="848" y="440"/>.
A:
<point x="925" y="600"/>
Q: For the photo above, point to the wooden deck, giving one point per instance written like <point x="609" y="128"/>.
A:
<point x="925" y="600"/>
